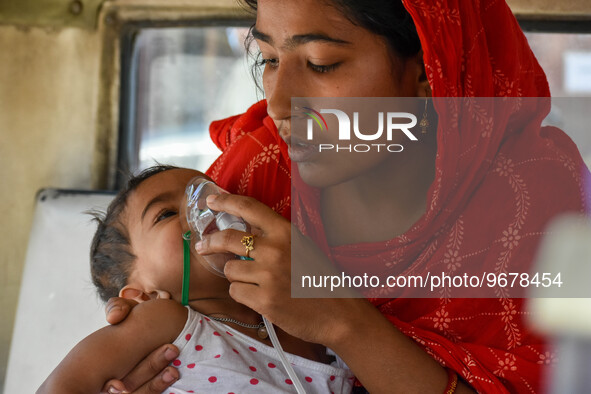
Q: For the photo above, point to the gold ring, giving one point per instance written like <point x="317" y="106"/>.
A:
<point x="248" y="242"/>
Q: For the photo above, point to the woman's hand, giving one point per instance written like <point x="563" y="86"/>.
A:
<point x="265" y="284"/>
<point x="153" y="374"/>
<point x="118" y="309"/>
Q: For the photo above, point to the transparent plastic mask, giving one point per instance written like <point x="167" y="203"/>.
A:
<point x="203" y="220"/>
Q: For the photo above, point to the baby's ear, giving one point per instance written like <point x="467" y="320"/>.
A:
<point x="160" y="294"/>
<point x="132" y="293"/>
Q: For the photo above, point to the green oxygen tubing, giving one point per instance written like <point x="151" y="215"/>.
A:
<point x="186" y="268"/>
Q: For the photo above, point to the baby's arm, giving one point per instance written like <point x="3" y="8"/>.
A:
<point x="111" y="352"/>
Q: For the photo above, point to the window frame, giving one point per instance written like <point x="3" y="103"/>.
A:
<point x="117" y="22"/>
<point x="129" y="140"/>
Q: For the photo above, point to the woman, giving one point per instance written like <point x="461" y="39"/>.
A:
<point x="443" y="215"/>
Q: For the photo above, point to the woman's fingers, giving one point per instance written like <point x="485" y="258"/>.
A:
<point x="113" y="387"/>
<point x="245" y="271"/>
<point x="160" y="382"/>
<point x="251" y="210"/>
<point x="247" y="293"/>
<point x="154" y="386"/>
<point x="118" y="308"/>
<point x="222" y="242"/>
<point x="151" y="375"/>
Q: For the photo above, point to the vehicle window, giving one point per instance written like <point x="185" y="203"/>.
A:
<point x="566" y="59"/>
<point x="179" y="81"/>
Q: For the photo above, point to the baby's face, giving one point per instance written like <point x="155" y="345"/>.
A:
<point x="155" y="232"/>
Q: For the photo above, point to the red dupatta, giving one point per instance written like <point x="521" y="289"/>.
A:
<point x="527" y="174"/>
<point x="254" y="161"/>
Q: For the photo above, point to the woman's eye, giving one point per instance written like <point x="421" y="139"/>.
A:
<point x="165" y="214"/>
<point x="273" y="63"/>
<point x="323" y="68"/>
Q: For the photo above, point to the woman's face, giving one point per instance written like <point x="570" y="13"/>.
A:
<point x="310" y="49"/>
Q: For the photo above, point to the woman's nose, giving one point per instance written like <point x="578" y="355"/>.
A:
<point x="280" y="87"/>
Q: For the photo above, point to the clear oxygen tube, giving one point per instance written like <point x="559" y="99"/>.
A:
<point x="286" y="364"/>
<point x="203" y="220"/>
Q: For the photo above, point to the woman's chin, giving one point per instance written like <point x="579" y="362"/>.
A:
<point x="316" y="175"/>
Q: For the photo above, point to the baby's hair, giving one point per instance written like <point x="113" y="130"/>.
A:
<point x="111" y="256"/>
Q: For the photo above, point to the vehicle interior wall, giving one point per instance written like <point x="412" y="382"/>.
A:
<point x="48" y="99"/>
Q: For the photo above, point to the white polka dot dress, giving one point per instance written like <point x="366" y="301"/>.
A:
<point x="215" y="358"/>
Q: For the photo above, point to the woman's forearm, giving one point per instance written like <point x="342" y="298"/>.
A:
<point x="383" y="358"/>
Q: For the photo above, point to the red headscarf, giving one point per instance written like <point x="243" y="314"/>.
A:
<point x="493" y="193"/>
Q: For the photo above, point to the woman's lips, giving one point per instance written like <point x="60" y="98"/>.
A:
<point x="301" y="150"/>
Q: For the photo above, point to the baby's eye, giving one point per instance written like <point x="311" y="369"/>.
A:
<point x="165" y="214"/>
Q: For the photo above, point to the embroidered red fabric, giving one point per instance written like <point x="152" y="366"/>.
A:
<point x="494" y="192"/>
<point x="254" y="161"/>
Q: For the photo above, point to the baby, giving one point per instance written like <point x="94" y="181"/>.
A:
<point x="137" y="253"/>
